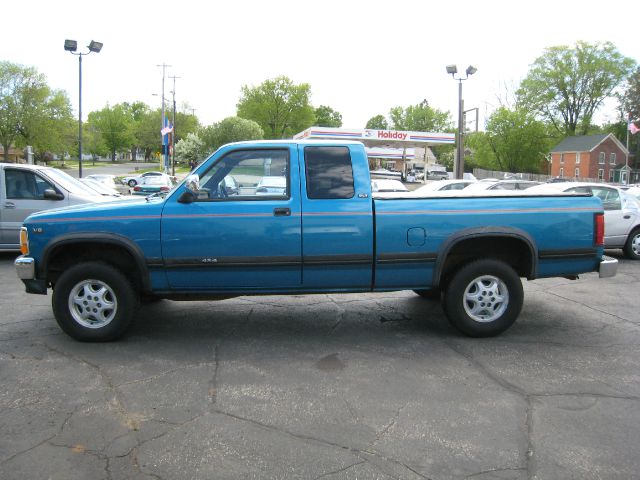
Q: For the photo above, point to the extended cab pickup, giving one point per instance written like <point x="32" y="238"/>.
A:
<point x="298" y="217"/>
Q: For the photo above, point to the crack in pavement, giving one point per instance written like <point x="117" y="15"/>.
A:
<point x="341" y="314"/>
<point x="307" y="438"/>
<point x="45" y="441"/>
<point x="496" y="470"/>
<point x="510" y="387"/>
<point x="340" y="470"/>
<point x="384" y="431"/>
<point x="609" y="314"/>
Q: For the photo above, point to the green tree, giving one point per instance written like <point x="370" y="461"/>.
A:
<point x="566" y="86"/>
<point x="630" y="97"/>
<point x="146" y="130"/>
<point x="420" y="118"/>
<point x="23" y="96"/>
<point x="231" y="129"/>
<point x="278" y="106"/>
<point x="630" y="111"/>
<point x="190" y="149"/>
<point x="327" y="117"/>
<point x="115" y="126"/>
<point x="54" y="130"/>
<point x="514" y="141"/>
<point x="379" y="122"/>
<point x="93" y="142"/>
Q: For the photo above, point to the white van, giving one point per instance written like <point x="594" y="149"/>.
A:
<point x="25" y="189"/>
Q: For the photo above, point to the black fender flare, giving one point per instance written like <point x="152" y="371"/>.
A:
<point x="485" y="232"/>
<point x="109" y="238"/>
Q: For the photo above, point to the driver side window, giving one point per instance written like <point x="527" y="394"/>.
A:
<point x="247" y="175"/>
<point x="22" y="184"/>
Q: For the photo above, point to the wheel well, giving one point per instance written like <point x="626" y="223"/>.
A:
<point x="64" y="256"/>
<point x="511" y="250"/>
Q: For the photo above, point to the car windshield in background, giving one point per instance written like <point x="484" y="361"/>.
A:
<point x="69" y="183"/>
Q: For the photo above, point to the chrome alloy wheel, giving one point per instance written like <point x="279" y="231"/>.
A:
<point x="486" y="298"/>
<point x="92" y="303"/>
<point x="635" y="244"/>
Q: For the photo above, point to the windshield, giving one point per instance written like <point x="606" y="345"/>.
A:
<point x="69" y="183"/>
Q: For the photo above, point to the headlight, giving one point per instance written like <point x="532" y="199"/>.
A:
<point x="24" y="241"/>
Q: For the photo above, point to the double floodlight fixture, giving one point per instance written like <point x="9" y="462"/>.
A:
<point x="453" y="69"/>
<point x="72" y="46"/>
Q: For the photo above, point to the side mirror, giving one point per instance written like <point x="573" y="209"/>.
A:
<point x="51" y="194"/>
<point x="192" y="183"/>
<point x="192" y="187"/>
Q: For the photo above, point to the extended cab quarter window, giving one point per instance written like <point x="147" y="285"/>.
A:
<point x="247" y="175"/>
<point x="329" y="172"/>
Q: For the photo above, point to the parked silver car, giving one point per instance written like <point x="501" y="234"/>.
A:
<point x="25" y="189"/>
<point x="621" y="212"/>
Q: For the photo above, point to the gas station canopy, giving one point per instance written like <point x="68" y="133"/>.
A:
<point x="376" y="139"/>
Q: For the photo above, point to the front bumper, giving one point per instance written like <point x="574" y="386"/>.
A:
<point x="608" y="267"/>
<point x="26" y="270"/>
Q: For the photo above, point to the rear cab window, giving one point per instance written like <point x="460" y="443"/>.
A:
<point x="329" y="173"/>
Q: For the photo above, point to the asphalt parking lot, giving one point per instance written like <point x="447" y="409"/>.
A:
<point x="374" y="386"/>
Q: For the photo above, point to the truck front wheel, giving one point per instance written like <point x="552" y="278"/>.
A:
<point x="94" y="302"/>
<point x="484" y="298"/>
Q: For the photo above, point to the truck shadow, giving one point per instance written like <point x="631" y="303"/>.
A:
<point x="286" y="319"/>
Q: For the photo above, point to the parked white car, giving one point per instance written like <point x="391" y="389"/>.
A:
<point x="135" y="180"/>
<point x="501" y="185"/>
<point x="621" y="212"/>
<point x="381" y="185"/>
<point x="272" y="185"/>
<point x="441" y="186"/>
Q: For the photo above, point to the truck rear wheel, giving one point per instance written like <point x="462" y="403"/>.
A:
<point x="484" y="298"/>
<point x="94" y="302"/>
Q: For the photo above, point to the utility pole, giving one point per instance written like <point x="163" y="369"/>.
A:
<point x="165" y="147"/>
<point x="173" y="133"/>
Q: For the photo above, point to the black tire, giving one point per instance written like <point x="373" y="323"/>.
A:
<point x="431" y="294"/>
<point x="132" y="183"/>
<point x="483" y="298"/>
<point x="632" y="246"/>
<point x="105" y="302"/>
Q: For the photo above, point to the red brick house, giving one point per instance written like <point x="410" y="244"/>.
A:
<point x="600" y="157"/>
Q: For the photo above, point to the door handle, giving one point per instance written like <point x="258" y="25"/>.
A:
<point x="9" y="205"/>
<point x="627" y="217"/>
<point x="281" y="212"/>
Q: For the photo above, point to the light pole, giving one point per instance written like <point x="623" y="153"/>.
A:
<point x="165" y="147"/>
<point x="458" y="168"/>
<point x="173" y="133"/>
<point x="71" y="46"/>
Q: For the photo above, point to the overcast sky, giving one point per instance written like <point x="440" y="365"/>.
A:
<point x="360" y="57"/>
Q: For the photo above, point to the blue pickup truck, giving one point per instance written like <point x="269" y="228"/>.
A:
<point x="292" y="217"/>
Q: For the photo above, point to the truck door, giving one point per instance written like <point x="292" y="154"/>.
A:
<point x="244" y="229"/>
<point x="337" y="218"/>
<point x="22" y="195"/>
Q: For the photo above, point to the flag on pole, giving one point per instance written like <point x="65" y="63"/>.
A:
<point x="633" y="128"/>
<point x="166" y="130"/>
